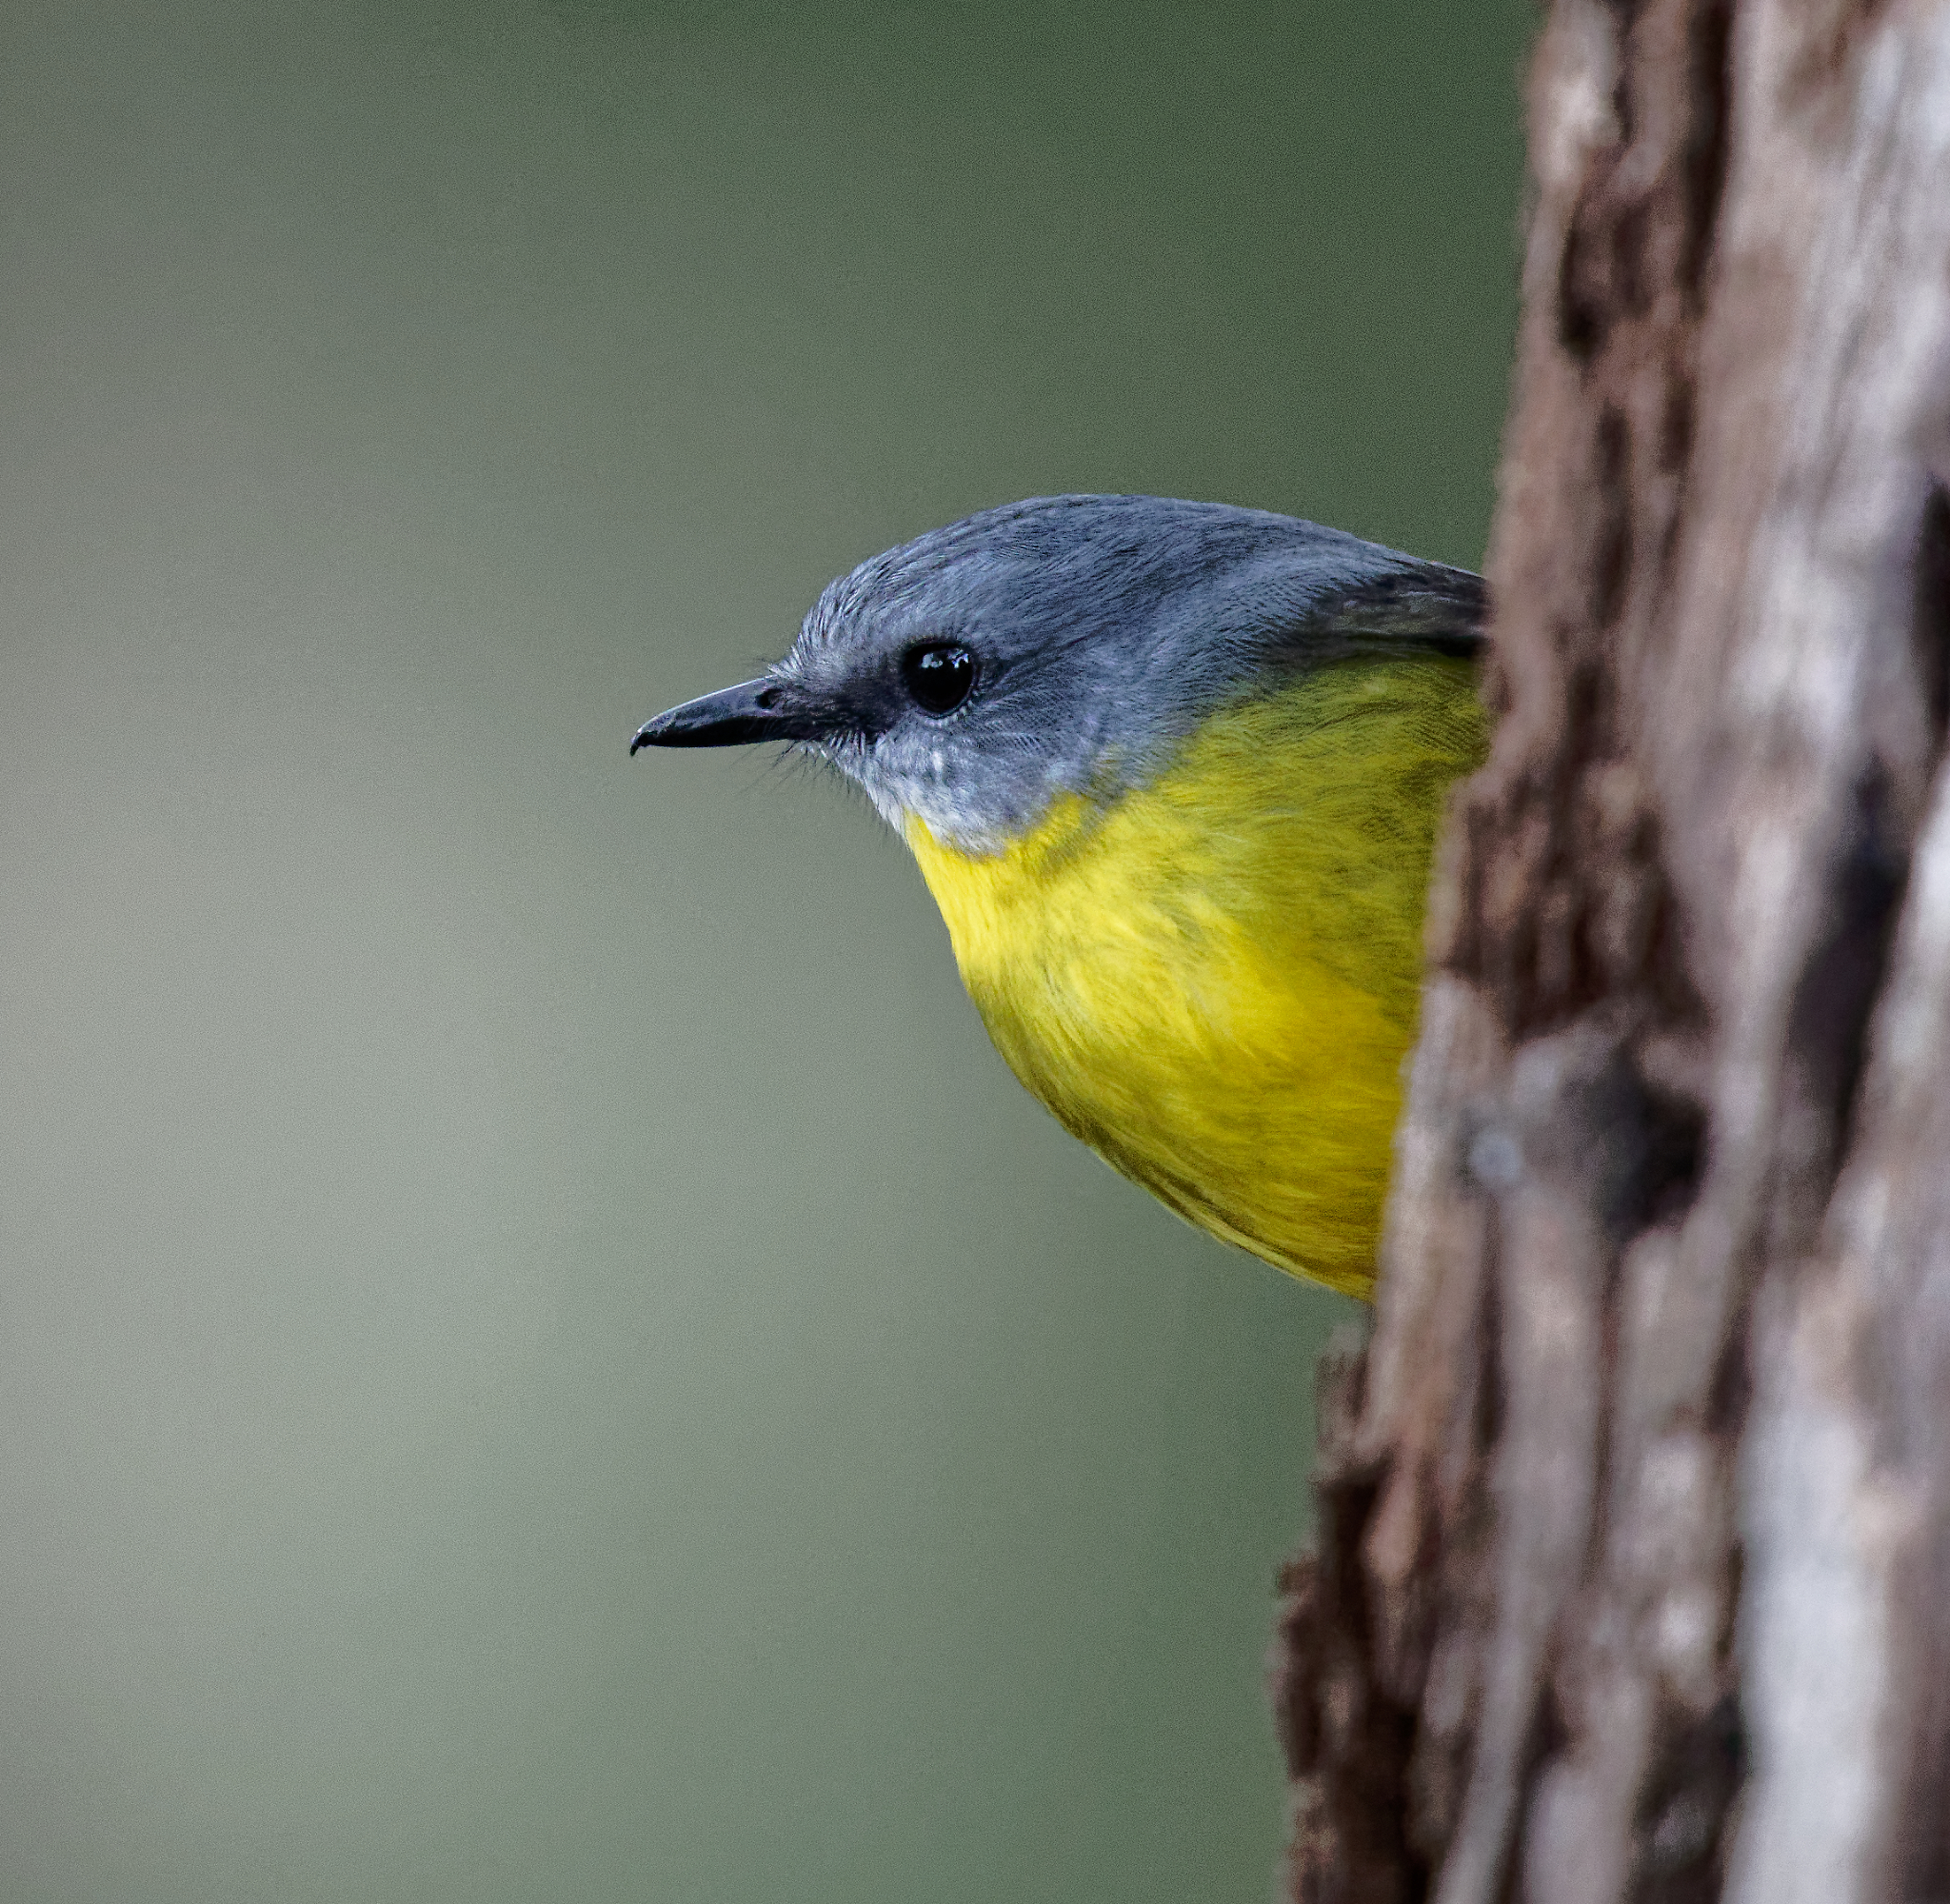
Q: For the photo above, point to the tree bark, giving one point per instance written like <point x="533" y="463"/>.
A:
<point x="1633" y="1564"/>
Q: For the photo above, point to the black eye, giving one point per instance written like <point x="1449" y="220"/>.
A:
<point x="939" y="675"/>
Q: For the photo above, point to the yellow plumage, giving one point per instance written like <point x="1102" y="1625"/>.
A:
<point x="1213" y="980"/>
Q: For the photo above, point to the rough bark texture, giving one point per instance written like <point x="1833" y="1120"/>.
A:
<point x="1633" y="1575"/>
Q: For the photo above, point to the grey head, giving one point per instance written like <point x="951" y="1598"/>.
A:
<point x="1066" y="645"/>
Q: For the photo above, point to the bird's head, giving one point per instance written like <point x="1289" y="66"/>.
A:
<point x="1065" y="645"/>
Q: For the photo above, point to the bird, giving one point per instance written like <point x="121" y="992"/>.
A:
<point x="1173" y="772"/>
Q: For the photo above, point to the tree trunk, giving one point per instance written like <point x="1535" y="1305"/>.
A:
<point x="1633" y="1576"/>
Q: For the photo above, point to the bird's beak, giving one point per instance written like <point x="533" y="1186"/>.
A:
<point x="754" y="710"/>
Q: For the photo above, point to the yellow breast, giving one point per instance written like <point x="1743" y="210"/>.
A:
<point x="1213" y="981"/>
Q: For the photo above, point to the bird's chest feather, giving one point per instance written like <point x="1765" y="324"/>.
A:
<point x="1212" y="980"/>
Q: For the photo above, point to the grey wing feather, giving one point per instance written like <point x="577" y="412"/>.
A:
<point x="1426" y="606"/>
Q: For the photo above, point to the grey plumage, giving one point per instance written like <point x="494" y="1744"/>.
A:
<point x="1104" y="628"/>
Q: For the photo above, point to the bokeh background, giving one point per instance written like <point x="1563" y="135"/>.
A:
<point x="541" y="1353"/>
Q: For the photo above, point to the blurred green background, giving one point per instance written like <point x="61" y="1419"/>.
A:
<point x="541" y="1353"/>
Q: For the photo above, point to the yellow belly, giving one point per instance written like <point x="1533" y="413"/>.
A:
<point x="1213" y="981"/>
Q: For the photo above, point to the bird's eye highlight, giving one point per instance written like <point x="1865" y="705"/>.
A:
<point x="939" y="675"/>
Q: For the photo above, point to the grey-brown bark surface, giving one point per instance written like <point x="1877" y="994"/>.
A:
<point x="1634" y="1554"/>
